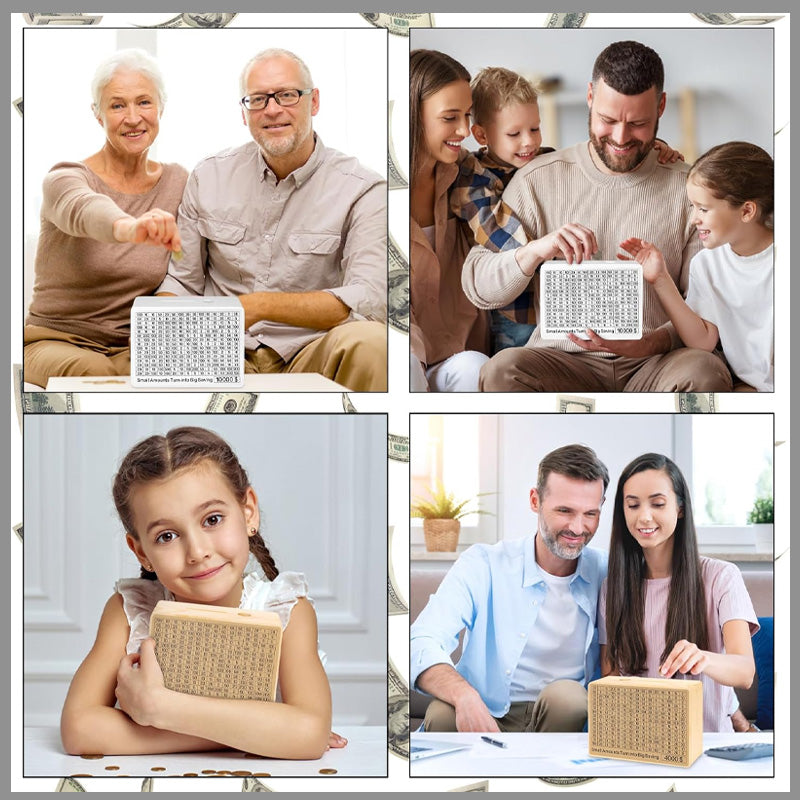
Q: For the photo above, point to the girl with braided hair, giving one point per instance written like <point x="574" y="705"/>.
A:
<point x="192" y="520"/>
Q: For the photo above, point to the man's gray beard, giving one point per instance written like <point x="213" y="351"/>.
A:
<point x="567" y="553"/>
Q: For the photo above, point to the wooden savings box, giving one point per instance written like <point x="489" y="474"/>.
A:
<point x="659" y="720"/>
<point x="215" y="651"/>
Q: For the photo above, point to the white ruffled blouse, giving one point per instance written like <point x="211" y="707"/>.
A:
<point x="139" y="598"/>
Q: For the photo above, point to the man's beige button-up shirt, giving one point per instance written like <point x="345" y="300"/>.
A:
<point x="323" y="227"/>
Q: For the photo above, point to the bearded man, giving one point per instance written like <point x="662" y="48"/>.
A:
<point x="528" y="608"/>
<point x="582" y="202"/>
<point x="295" y="230"/>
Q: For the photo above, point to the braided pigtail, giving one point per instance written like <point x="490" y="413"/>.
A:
<point x="261" y="553"/>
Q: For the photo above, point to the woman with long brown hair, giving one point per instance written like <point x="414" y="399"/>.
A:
<point x="665" y="611"/>
<point x="449" y="335"/>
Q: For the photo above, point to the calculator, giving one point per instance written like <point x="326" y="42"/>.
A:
<point x="603" y="296"/>
<point x="187" y="341"/>
<point x="742" y="752"/>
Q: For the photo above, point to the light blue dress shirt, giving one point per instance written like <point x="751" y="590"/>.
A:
<point x="494" y="593"/>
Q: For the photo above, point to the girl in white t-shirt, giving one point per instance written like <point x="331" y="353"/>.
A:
<point x="730" y="298"/>
<point x="191" y="518"/>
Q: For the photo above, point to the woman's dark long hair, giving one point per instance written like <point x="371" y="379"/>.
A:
<point x="159" y="457"/>
<point x="429" y="71"/>
<point x="625" y="592"/>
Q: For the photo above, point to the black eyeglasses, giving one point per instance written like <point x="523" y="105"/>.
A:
<point x="286" y="97"/>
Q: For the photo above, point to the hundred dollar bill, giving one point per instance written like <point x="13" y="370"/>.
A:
<point x="211" y="20"/>
<point x="726" y="18"/>
<point x="396" y="603"/>
<point x="396" y="178"/>
<point x="398" y="447"/>
<point x="398" y="713"/>
<point x="42" y="402"/>
<point x="347" y="404"/>
<point x="254" y="785"/>
<point x="232" y="403"/>
<point x="398" y="23"/>
<point x="399" y="295"/>
<point x="696" y="402"/>
<point x="147" y="785"/>
<point x="18" y="530"/>
<point x="69" y="785"/>
<point x="567" y="404"/>
<point x="672" y="788"/>
<point x="61" y="18"/>
<point x="17" y="104"/>
<point x="566" y="781"/>
<point x="480" y="786"/>
<point x="570" y="19"/>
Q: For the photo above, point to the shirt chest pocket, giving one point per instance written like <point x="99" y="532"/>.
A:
<point x="225" y="243"/>
<point x="314" y="262"/>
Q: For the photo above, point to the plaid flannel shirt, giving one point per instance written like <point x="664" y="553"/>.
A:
<point x="476" y="198"/>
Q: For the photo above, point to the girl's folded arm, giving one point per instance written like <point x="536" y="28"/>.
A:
<point x="298" y="727"/>
<point x="89" y="721"/>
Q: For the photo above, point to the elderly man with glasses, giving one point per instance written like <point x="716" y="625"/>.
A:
<point x="296" y="230"/>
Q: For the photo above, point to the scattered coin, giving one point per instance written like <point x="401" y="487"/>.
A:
<point x="92" y="755"/>
<point x="158" y="769"/>
<point x="112" y="767"/>
<point x="189" y="774"/>
<point x="328" y="771"/>
<point x="241" y="772"/>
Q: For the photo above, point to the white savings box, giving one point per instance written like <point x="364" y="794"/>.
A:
<point x="187" y="341"/>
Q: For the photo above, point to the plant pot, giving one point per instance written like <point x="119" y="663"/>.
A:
<point x="764" y="534"/>
<point x="441" y="535"/>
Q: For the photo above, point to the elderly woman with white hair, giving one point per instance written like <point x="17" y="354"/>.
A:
<point x="97" y="214"/>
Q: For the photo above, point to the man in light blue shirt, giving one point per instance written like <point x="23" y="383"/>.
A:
<point x="528" y="608"/>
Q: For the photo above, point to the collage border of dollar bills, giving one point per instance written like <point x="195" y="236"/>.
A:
<point x="399" y="403"/>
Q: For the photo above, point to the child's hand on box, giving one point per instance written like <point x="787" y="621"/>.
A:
<point x="648" y="255"/>
<point x="139" y="684"/>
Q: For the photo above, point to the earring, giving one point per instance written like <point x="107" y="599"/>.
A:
<point x="147" y="566"/>
<point x="253" y="531"/>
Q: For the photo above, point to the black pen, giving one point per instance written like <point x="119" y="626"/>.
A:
<point x="493" y="741"/>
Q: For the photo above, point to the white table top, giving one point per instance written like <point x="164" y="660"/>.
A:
<point x="366" y="754"/>
<point x="567" y="754"/>
<point x="281" y="382"/>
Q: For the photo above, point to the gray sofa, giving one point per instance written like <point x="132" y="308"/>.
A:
<point x="423" y="583"/>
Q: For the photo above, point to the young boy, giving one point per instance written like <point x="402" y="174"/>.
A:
<point x="505" y="114"/>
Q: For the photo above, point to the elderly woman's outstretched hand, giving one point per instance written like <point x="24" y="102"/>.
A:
<point x="156" y="227"/>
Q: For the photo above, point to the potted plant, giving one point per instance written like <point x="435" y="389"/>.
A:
<point x="761" y="518"/>
<point x="441" y="517"/>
